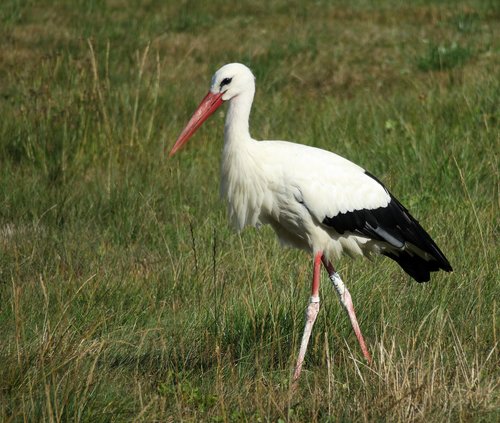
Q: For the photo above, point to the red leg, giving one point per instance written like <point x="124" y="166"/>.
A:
<point x="311" y="314"/>
<point x="346" y="300"/>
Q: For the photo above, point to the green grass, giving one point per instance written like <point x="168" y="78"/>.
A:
<point x="125" y="296"/>
<point x="444" y="57"/>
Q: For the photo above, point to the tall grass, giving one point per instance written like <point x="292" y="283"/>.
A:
<point x="125" y="294"/>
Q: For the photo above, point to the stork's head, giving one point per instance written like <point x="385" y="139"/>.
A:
<point x="228" y="82"/>
<point x="231" y="80"/>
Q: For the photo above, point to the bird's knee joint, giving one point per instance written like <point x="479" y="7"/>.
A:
<point x="312" y="311"/>
<point x="337" y="283"/>
<point x="342" y="291"/>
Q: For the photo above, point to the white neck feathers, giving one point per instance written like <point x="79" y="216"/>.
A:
<point x="241" y="175"/>
<point x="236" y="129"/>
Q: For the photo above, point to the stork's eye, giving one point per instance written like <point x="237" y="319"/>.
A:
<point x="225" y="81"/>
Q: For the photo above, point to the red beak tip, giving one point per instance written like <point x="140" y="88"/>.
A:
<point x="208" y="105"/>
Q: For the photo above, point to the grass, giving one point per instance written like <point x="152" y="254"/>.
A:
<point x="444" y="57"/>
<point x="125" y="296"/>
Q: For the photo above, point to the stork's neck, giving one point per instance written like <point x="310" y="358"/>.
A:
<point x="236" y="128"/>
<point x="242" y="181"/>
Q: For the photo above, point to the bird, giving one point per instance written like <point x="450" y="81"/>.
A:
<point x="313" y="199"/>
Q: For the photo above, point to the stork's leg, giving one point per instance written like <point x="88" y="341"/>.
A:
<point x="311" y="313"/>
<point x="346" y="300"/>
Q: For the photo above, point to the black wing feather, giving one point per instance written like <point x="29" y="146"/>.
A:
<point x="394" y="225"/>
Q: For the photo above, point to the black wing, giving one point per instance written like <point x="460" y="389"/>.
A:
<point x="394" y="225"/>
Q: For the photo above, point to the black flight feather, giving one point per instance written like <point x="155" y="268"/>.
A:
<point x="394" y="225"/>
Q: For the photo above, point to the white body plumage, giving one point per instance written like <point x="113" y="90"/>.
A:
<point x="293" y="188"/>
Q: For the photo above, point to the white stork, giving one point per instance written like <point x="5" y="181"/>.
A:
<point x="313" y="199"/>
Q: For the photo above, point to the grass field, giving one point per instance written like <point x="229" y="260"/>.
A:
<point x="126" y="296"/>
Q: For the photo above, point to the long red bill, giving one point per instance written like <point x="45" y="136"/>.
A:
<point x="207" y="107"/>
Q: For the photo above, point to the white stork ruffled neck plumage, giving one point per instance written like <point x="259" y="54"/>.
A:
<point x="314" y="200"/>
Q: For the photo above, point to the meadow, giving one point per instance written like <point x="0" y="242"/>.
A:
<point x="124" y="293"/>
